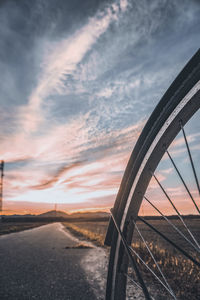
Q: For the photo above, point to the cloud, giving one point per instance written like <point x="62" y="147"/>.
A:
<point x="79" y="174"/>
<point x="191" y="138"/>
<point x="60" y="61"/>
<point x="107" y="93"/>
<point x="78" y="88"/>
<point x="167" y="171"/>
<point x="123" y="5"/>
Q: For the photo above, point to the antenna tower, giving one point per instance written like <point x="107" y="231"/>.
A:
<point x="1" y="185"/>
<point x="55" y="209"/>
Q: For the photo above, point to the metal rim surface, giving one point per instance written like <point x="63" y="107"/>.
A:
<point x="179" y="103"/>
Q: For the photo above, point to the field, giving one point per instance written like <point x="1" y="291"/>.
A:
<point x="10" y="227"/>
<point x="182" y="275"/>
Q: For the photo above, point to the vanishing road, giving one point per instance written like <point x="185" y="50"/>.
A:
<point x="39" y="264"/>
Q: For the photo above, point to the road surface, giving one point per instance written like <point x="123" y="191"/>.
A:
<point x="39" y="264"/>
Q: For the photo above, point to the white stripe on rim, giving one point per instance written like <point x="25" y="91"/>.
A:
<point x="167" y="123"/>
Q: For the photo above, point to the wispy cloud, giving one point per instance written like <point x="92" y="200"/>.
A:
<point x="61" y="59"/>
<point x="79" y="176"/>
<point x="78" y="88"/>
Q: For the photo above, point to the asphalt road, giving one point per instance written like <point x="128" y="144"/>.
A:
<point x="35" y="264"/>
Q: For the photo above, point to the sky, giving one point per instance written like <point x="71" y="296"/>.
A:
<point x="78" y="81"/>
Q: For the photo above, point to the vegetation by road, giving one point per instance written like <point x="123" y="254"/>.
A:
<point x="10" y="227"/>
<point x="92" y="231"/>
<point x="182" y="275"/>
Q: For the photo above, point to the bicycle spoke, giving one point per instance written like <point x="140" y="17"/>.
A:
<point x="132" y="280"/>
<point x="152" y="272"/>
<point x="155" y="261"/>
<point x="180" y="176"/>
<point x="176" y="210"/>
<point x="172" y="224"/>
<point x="190" y="157"/>
<point x="180" y="102"/>
<point x="132" y="260"/>
<point x="170" y="242"/>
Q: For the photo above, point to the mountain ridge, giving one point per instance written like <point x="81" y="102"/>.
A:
<point x="54" y="213"/>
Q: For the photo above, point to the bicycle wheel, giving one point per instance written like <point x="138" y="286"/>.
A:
<point x="175" y="109"/>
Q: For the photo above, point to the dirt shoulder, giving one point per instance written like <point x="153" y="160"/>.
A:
<point x="84" y="233"/>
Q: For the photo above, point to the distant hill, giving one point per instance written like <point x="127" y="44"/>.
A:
<point x="95" y="215"/>
<point x="18" y="216"/>
<point x="54" y="213"/>
<point x="77" y="215"/>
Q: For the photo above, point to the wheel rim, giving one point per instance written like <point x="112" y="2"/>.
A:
<point x="182" y="106"/>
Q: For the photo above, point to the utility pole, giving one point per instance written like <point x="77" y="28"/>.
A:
<point x="55" y="208"/>
<point x="1" y="185"/>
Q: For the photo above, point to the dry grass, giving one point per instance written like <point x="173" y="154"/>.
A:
<point x="79" y="246"/>
<point x="12" y="227"/>
<point x="84" y="230"/>
<point x="182" y="275"/>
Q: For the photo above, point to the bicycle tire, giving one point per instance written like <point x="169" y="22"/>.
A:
<point x="180" y="102"/>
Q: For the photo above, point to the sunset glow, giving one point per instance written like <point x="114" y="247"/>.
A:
<point x="76" y="95"/>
